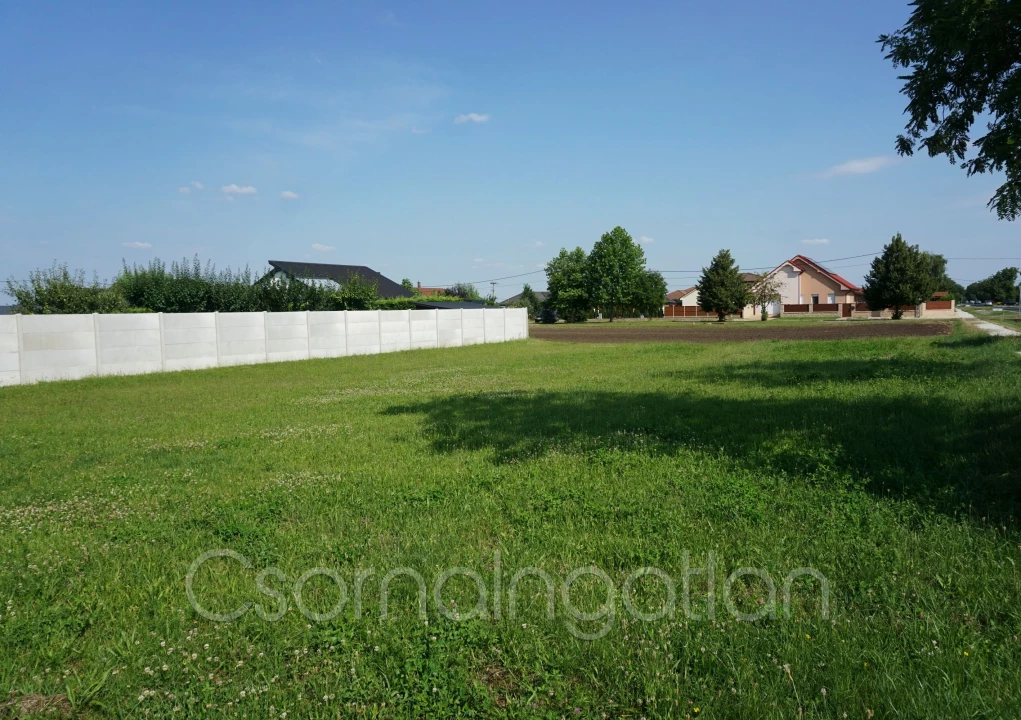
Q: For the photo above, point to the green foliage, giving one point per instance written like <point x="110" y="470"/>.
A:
<point x="530" y="301"/>
<point x="464" y="291"/>
<point x="614" y="273"/>
<point x="567" y="285"/>
<point x="356" y="294"/>
<point x="1000" y="287"/>
<point x="62" y="291"/>
<point x="649" y="294"/>
<point x="902" y="275"/>
<point x="721" y="288"/>
<point x="965" y="65"/>
<point x="407" y="284"/>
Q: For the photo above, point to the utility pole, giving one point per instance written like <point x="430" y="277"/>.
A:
<point x="492" y="291"/>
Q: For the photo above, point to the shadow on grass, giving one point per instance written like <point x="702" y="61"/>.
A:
<point x="914" y="445"/>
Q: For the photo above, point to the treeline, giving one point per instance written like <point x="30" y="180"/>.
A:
<point x="611" y="279"/>
<point x="1000" y="287"/>
<point x="190" y="286"/>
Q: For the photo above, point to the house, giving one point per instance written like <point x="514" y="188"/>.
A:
<point x="430" y="291"/>
<point x="803" y="281"/>
<point x="540" y="295"/>
<point x="6" y="309"/>
<point x="283" y="270"/>
<point x="688" y="297"/>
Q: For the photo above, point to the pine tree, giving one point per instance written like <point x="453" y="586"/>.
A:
<point x="722" y="288"/>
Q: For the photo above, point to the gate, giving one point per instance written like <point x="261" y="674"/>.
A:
<point x="846" y="310"/>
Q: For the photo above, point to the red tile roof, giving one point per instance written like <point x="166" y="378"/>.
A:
<point x="678" y="294"/>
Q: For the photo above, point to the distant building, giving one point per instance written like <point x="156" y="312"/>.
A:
<point x="687" y="297"/>
<point x="339" y="274"/>
<point x="541" y="296"/>
<point x="803" y="281"/>
<point x="6" y="309"/>
<point x="430" y="291"/>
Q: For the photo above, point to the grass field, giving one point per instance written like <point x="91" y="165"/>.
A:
<point x="891" y="466"/>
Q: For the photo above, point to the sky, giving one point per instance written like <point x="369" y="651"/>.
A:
<point x="462" y="141"/>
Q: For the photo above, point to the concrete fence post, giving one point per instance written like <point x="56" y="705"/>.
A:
<point x="461" y="321"/>
<point x="163" y="346"/>
<point x="216" y="334"/>
<point x="347" y="347"/>
<point x="308" y="335"/>
<point x="95" y="338"/>
<point x="265" y="335"/>
<point x="21" y="349"/>
<point x="505" y="324"/>
<point x="379" y="329"/>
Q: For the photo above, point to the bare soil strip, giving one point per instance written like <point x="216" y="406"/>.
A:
<point x="737" y="332"/>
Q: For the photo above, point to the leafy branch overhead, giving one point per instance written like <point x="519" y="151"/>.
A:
<point x="964" y="58"/>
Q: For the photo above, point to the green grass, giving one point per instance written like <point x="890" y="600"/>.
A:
<point x="890" y="466"/>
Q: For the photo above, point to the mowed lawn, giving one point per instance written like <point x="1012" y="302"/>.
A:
<point x="891" y="466"/>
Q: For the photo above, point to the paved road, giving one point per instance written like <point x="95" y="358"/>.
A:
<point x="991" y="328"/>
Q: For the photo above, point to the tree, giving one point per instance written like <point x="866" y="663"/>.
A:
<point x="902" y="275"/>
<point x="936" y="268"/>
<point x="650" y="294"/>
<point x="567" y="286"/>
<point x="766" y="290"/>
<point x="722" y="288"/>
<point x="616" y="267"/>
<point x="1000" y="287"/>
<point x="407" y="284"/>
<point x="965" y="62"/>
<point x="529" y="300"/>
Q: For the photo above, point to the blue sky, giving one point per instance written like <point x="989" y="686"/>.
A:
<point x="461" y="141"/>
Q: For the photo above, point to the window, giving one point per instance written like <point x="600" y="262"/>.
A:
<point x="815" y="299"/>
<point x="832" y="298"/>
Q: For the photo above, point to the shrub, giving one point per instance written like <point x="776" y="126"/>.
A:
<point x="59" y="290"/>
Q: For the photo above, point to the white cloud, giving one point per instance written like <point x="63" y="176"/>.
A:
<point x="233" y="189"/>
<point x="816" y="241"/>
<point x="321" y="248"/>
<point x="137" y="245"/>
<point x="646" y="240"/>
<point x="420" y="131"/>
<point x="537" y="244"/>
<point x="197" y="185"/>
<point x="289" y="195"/>
<point x="184" y="190"/>
<point x="472" y="117"/>
<point x="861" y="167"/>
<point x="478" y="260"/>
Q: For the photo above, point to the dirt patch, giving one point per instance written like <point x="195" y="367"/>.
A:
<point x="38" y="705"/>
<point x="738" y="332"/>
<point x="500" y="683"/>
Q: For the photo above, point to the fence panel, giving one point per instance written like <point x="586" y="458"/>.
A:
<point x="825" y="307"/>
<point x="795" y="309"/>
<point x="10" y="362"/>
<point x="65" y="347"/>
<point x="128" y="344"/>
<point x="939" y="305"/>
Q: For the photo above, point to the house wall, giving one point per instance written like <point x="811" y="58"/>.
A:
<point x="815" y="283"/>
<point x="35" y="348"/>
<point x="788" y="279"/>
<point x="689" y="300"/>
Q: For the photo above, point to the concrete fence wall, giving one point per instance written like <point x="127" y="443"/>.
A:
<point x="35" y="348"/>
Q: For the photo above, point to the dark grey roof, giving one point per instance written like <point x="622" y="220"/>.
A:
<point x="466" y="305"/>
<point x="385" y="287"/>
<point x="6" y="309"/>
<point x="540" y="294"/>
